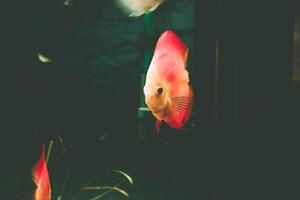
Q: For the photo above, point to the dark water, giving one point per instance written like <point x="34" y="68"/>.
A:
<point x="202" y="163"/>
<point x="89" y="97"/>
<point x="156" y="167"/>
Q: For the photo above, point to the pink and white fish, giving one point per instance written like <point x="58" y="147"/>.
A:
<point x="135" y="8"/>
<point x="168" y="94"/>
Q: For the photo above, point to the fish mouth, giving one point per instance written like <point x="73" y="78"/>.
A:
<point x="157" y="109"/>
<point x="159" y="114"/>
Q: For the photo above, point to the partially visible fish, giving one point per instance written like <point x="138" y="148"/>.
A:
<point x="41" y="178"/>
<point x="135" y="8"/>
<point x="44" y="59"/>
<point x="168" y="94"/>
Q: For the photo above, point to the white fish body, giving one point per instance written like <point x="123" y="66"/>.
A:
<point x="135" y="8"/>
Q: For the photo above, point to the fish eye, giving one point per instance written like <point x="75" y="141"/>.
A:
<point x="160" y="90"/>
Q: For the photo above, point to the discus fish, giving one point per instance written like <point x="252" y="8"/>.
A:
<point x="135" y="8"/>
<point x="41" y="178"/>
<point x="168" y="94"/>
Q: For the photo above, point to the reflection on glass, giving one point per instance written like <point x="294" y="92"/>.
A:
<point x="296" y="62"/>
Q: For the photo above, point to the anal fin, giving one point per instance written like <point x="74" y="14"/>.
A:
<point x="157" y="126"/>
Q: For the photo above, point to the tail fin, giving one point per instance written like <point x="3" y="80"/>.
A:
<point x="41" y="178"/>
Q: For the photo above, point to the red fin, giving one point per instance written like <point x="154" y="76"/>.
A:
<point x="180" y="109"/>
<point x="41" y="178"/>
<point x="157" y="126"/>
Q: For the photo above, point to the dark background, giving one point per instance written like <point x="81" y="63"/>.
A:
<point x="240" y="142"/>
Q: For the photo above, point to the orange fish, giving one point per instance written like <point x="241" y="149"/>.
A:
<point x="168" y="94"/>
<point x="41" y="178"/>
